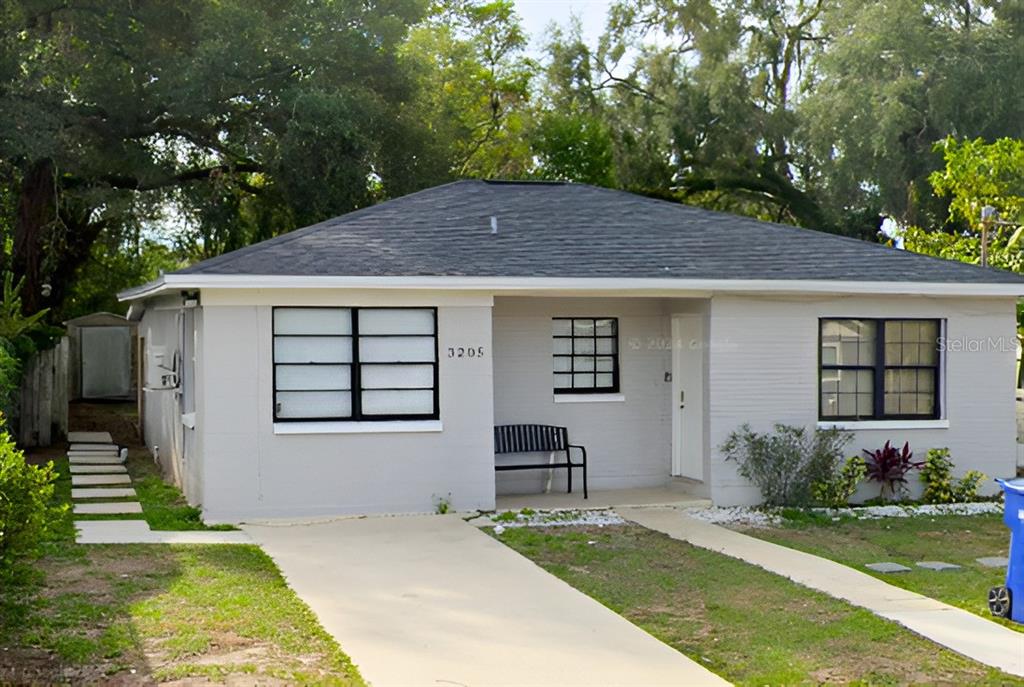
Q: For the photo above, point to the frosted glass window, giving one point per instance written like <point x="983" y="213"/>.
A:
<point x="312" y="321"/>
<point x="402" y="321"/>
<point x="396" y="349"/>
<point x="404" y="402"/>
<point x="312" y="349"/>
<point x="309" y="405"/>
<point x="877" y="369"/>
<point x="313" y="377"/>
<point x="397" y="376"/>
<point x="583" y="347"/>
<point x="324" y="370"/>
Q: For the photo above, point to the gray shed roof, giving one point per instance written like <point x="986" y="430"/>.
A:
<point x="574" y="230"/>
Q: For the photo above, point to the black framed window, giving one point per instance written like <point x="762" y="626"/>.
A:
<point x="586" y="355"/>
<point x="355" y="363"/>
<point x="872" y="369"/>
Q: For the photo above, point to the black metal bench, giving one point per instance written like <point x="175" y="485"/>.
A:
<point x="538" y="439"/>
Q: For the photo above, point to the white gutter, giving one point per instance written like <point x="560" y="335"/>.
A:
<point x="173" y="282"/>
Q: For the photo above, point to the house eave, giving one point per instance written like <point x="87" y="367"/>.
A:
<point x="525" y="285"/>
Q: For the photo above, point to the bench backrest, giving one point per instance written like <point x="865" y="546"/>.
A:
<point x="530" y="438"/>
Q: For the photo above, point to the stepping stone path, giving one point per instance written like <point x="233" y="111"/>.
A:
<point x="104" y="493"/>
<point x="887" y="567"/>
<point x="90" y="438"/>
<point x="937" y="565"/>
<point x="108" y="508"/>
<point x="96" y="463"/>
<point x="994" y="561"/>
<point x="78" y="469"/>
<point x="94" y="480"/>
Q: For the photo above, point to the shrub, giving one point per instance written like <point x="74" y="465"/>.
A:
<point x="966" y="489"/>
<point x="939" y="486"/>
<point x="838" y="489"/>
<point x="10" y="377"/>
<point x="26" y="513"/>
<point x="889" y="467"/>
<point x="785" y="463"/>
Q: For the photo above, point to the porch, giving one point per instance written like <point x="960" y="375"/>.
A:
<point x="626" y="376"/>
<point x="677" y="493"/>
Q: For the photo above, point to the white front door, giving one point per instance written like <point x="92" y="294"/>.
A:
<point x="688" y="351"/>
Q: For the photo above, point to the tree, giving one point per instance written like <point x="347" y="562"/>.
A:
<point x="977" y="174"/>
<point x="249" y="117"/>
<point x="473" y="87"/>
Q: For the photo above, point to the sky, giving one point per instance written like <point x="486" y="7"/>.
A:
<point x="538" y="14"/>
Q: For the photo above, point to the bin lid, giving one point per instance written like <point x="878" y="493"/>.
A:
<point x="1015" y="485"/>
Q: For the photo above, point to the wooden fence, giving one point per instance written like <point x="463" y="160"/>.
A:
<point x="43" y="409"/>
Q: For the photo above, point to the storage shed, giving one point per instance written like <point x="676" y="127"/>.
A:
<point x="102" y="357"/>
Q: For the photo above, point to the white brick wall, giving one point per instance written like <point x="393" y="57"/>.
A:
<point x="763" y="369"/>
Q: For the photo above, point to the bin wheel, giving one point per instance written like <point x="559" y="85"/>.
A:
<point x="999" y="602"/>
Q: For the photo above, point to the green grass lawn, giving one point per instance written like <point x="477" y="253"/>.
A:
<point x="748" y="625"/>
<point x="137" y="614"/>
<point x="957" y="539"/>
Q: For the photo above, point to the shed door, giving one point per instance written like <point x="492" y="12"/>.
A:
<point x="106" y="362"/>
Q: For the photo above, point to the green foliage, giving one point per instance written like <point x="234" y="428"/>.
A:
<point x="10" y="378"/>
<point x="26" y="511"/>
<point x="13" y="322"/>
<point x="977" y="174"/>
<point x="939" y="485"/>
<point x="573" y="147"/>
<point x="837" y="490"/>
<point x="785" y="463"/>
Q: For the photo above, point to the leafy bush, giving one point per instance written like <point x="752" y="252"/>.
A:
<point x="10" y="377"/>
<point x="785" y="463"/>
<point x="838" y="489"/>
<point x="889" y="467"/>
<point x="966" y="489"/>
<point x="26" y="513"/>
<point x="939" y="486"/>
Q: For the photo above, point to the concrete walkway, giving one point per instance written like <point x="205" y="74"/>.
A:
<point x="431" y="600"/>
<point x="963" y="632"/>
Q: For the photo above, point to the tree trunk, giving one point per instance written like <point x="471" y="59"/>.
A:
<point x="51" y="239"/>
<point x="37" y="214"/>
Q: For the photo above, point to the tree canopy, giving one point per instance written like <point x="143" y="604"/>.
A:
<point x="139" y="136"/>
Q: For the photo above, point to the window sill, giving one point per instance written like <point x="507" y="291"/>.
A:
<point x="885" y="424"/>
<point x="390" y="427"/>
<point x="589" y="398"/>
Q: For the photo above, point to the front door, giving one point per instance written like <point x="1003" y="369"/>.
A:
<point x="688" y="351"/>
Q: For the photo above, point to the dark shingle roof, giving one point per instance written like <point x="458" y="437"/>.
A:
<point x="574" y="230"/>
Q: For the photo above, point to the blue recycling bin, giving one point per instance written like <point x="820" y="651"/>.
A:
<point x="1008" y="601"/>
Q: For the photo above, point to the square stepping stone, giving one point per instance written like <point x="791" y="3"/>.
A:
<point x="937" y="565"/>
<point x="887" y="567"/>
<point x="107" y="508"/>
<point x="90" y="480"/>
<point x="77" y="469"/>
<point x="103" y="493"/>
<point x="90" y="437"/>
<point x="994" y="561"/>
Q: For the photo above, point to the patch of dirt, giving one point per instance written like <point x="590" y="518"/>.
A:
<point x="120" y="419"/>
<point x="26" y="666"/>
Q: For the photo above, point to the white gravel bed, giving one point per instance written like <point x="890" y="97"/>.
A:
<point x="737" y="515"/>
<point x="898" y="511"/>
<point x="756" y="517"/>
<point x="560" y="518"/>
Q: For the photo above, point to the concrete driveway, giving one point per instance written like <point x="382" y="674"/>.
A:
<point x="431" y="600"/>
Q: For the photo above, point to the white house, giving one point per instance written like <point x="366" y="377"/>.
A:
<point x="359" y="365"/>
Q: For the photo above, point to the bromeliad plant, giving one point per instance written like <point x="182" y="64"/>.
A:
<point x="889" y="467"/>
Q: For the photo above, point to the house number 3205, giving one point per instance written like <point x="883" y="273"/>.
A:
<point x="465" y="352"/>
